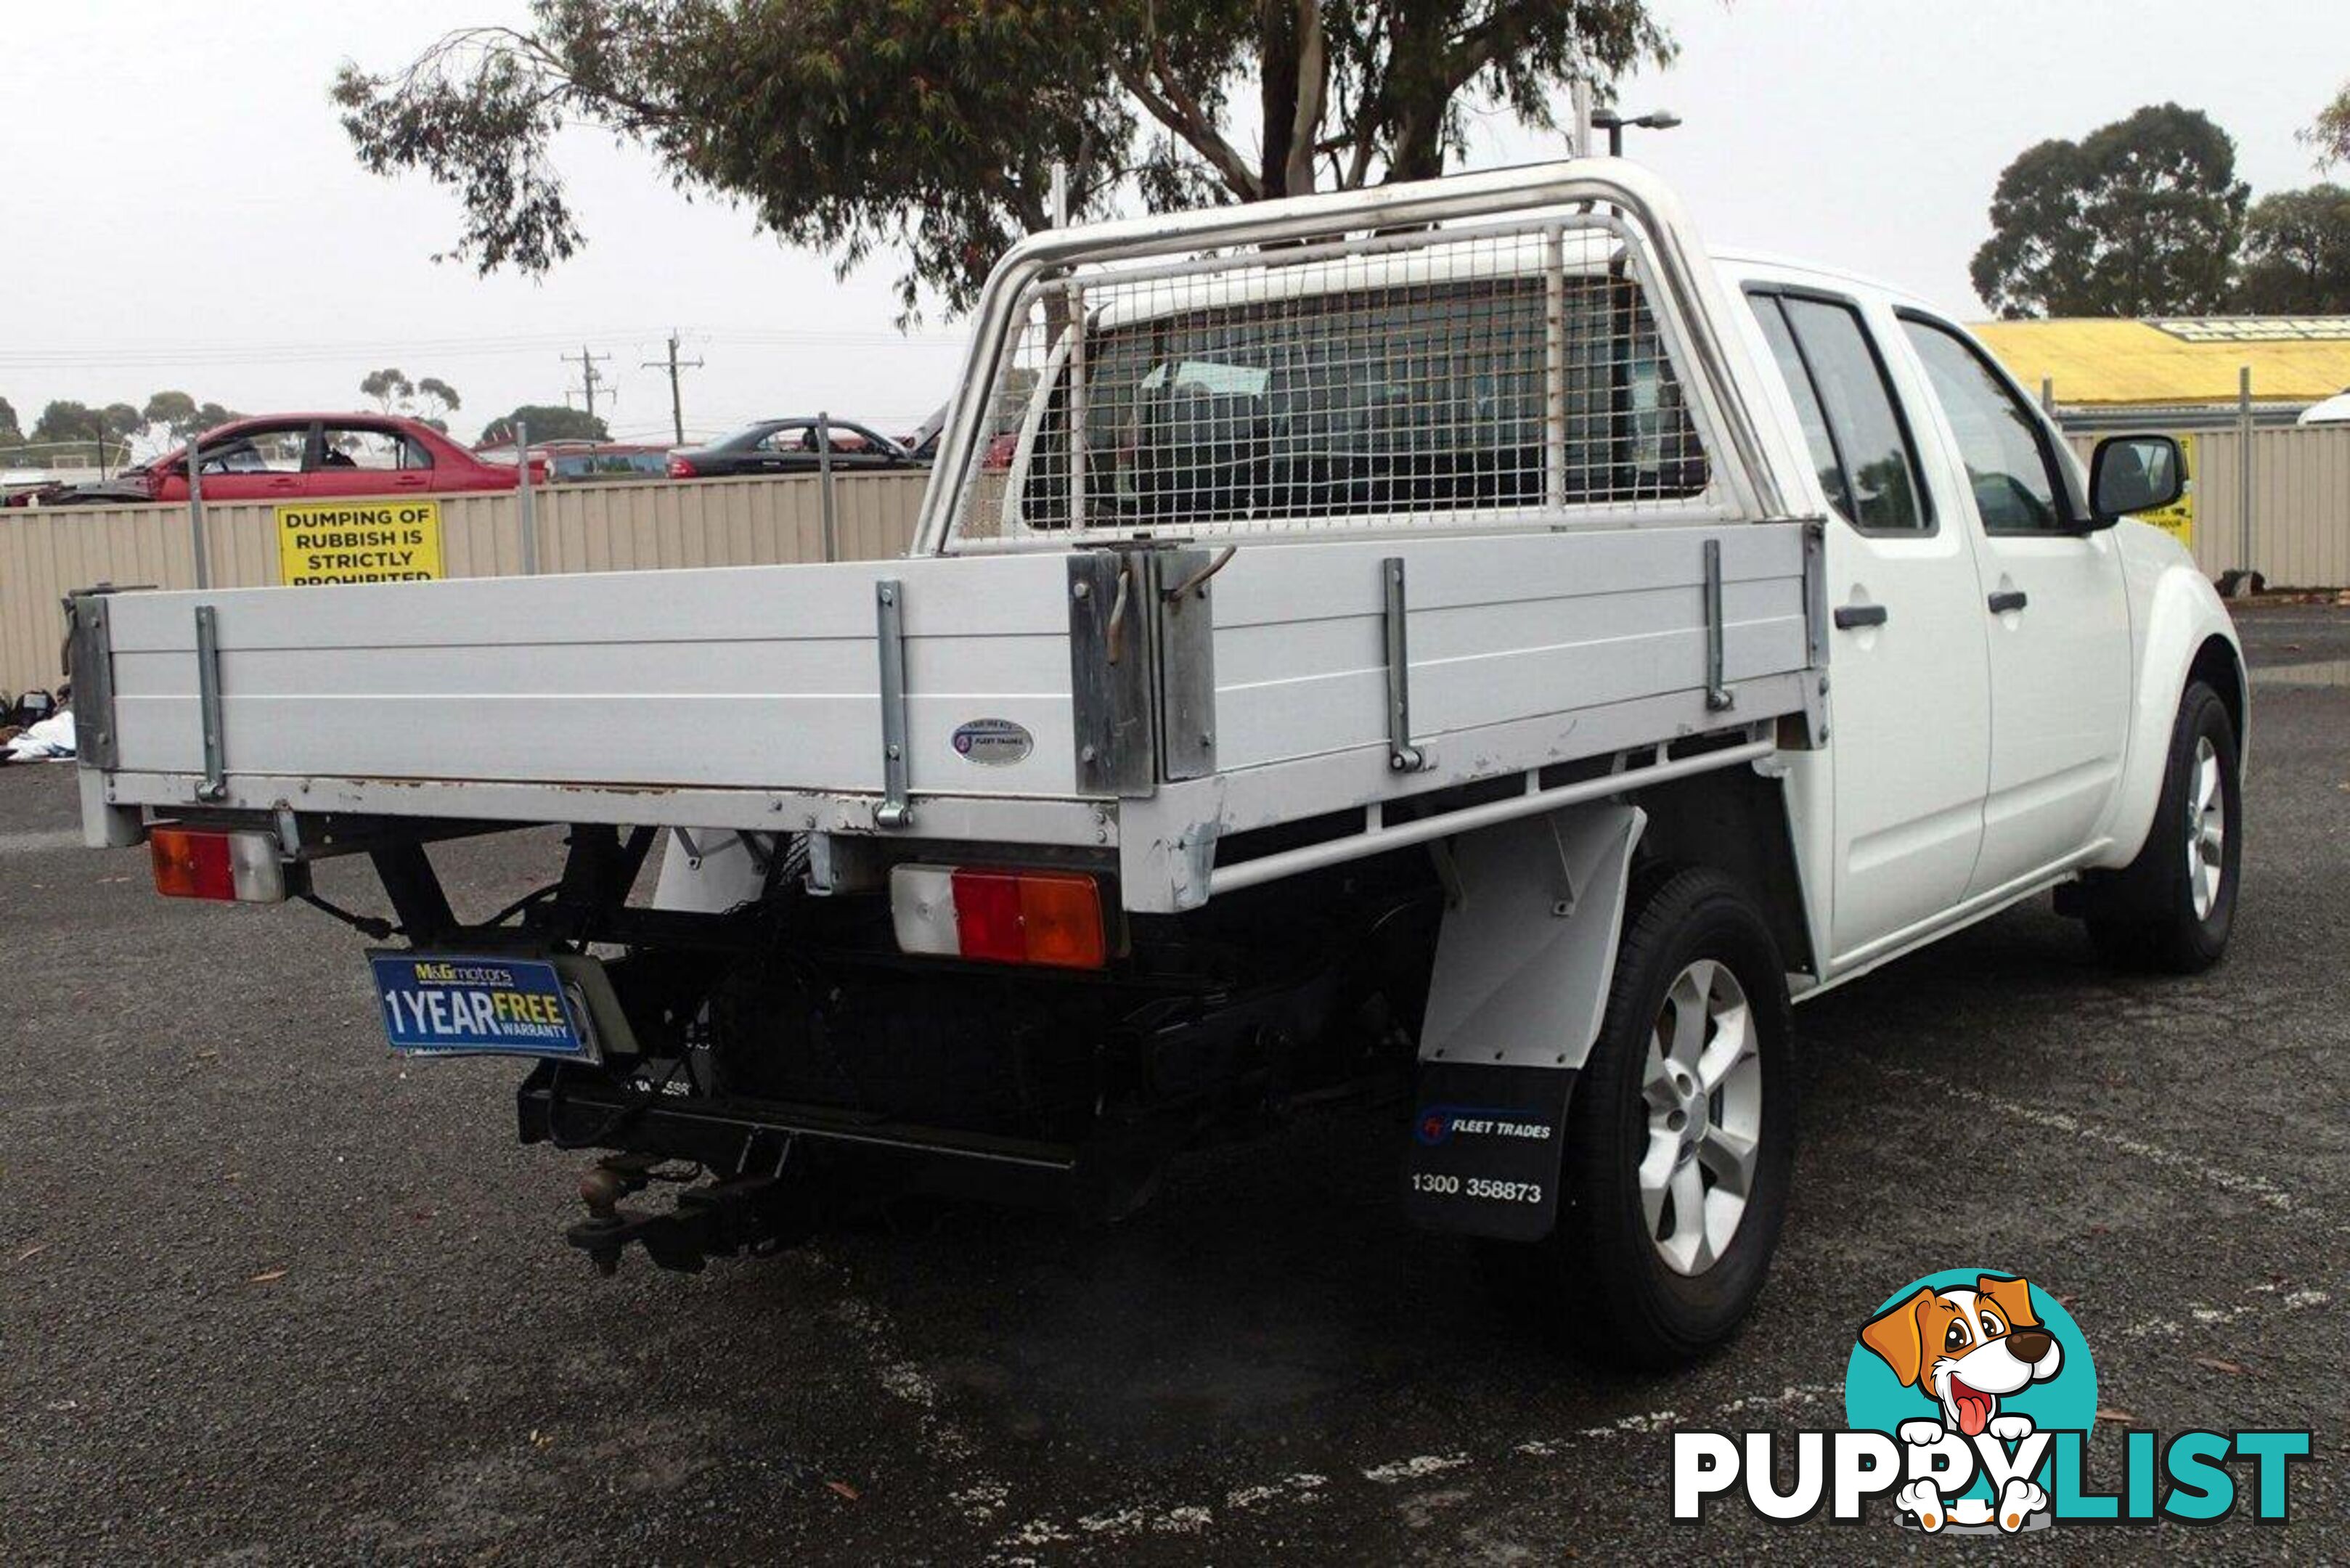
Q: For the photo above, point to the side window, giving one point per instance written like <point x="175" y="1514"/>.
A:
<point x="346" y="446"/>
<point x="800" y="440"/>
<point x="2007" y="458"/>
<point x="1808" y="413"/>
<point x="1852" y="421"/>
<point x="272" y="450"/>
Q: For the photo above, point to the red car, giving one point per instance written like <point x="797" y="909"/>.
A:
<point x="297" y="457"/>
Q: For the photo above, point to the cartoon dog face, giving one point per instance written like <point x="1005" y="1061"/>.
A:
<point x="1965" y="1349"/>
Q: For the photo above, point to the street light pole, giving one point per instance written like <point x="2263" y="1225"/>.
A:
<point x="1613" y="122"/>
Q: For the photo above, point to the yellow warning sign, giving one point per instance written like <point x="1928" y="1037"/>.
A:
<point x="358" y="542"/>
<point x="2178" y="519"/>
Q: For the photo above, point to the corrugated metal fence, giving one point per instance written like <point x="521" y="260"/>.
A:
<point x="47" y="553"/>
<point x="2299" y="493"/>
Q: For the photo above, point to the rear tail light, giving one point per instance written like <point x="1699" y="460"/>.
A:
<point x="241" y="867"/>
<point x="682" y="468"/>
<point x="1048" y="918"/>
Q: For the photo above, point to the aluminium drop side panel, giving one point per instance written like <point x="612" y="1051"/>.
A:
<point x="1502" y="629"/>
<point x="1525" y="650"/>
<point x="748" y="677"/>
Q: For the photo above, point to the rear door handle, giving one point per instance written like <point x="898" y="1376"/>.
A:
<point x="2009" y="599"/>
<point x="1849" y="618"/>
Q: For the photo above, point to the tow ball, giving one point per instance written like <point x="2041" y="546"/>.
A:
<point x="717" y="1219"/>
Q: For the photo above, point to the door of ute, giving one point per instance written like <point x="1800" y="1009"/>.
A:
<point x="1910" y="703"/>
<point x="2055" y="606"/>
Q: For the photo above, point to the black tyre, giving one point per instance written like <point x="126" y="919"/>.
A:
<point x="1681" y="1134"/>
<point x="2173" y="908"/>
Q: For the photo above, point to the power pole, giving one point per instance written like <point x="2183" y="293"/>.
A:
<point x="674" y="365"/>
<point x="590" y="377"/>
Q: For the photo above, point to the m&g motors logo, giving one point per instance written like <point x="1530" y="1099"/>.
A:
<point x="1970" y="1397"/>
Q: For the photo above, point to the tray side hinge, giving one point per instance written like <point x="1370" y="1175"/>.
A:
<point x="90" y="664"/>
<point x="1113" y="671"/>
<point x="1187" y="659"/>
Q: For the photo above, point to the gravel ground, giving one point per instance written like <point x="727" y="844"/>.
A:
<point x="268" y="1294"/>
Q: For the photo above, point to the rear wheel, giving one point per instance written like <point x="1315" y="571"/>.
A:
<point x="1681" y="1133"/>
<point x="2174" y="906"/>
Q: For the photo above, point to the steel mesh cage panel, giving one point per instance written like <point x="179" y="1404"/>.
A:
<point x="1440" y="379"/>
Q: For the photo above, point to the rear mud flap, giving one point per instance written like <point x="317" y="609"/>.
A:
<point x="1483" y="1156"/>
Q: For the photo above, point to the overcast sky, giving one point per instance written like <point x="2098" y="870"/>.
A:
<point x="183" y="210"/>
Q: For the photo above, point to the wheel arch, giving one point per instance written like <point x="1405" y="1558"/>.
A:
<point x="2187" y="635"/>
<point x="2219" y="666"/>
<point x="1735" y="820"/>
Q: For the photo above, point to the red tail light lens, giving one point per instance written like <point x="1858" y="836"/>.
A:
<point x="1052" y="919"/>
<point x="243" y="868"/>
<point x="682" y="468"/>
<point x="192" y="865"/>
<point x="987" y="916"/>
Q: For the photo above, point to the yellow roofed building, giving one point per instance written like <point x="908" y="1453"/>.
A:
<point x="2092" y="364"/>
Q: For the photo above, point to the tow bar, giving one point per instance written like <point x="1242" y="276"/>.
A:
<point x="758" y="1214"/>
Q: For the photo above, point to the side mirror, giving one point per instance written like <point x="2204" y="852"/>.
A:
<point x="2133" y="473"/>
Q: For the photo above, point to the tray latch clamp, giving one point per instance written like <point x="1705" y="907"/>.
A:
<point x="208" y="704"/>
<point x="889" y="626"/>
<point x="1403" y="755"/>
<point x="1718" y="696"/>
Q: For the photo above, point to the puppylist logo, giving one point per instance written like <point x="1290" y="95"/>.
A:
<point x="1970" y="1397"/>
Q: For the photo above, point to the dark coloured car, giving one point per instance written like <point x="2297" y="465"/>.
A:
<point x="790" y="446"/>
<point x="606" y="460"/>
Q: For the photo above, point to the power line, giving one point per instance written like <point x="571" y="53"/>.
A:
<point x="195" y="355"/>
<point x="249" y="351"/>
<point x="676" y="399"/>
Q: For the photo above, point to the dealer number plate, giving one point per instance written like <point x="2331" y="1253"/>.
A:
<point x="439" y="1005"/>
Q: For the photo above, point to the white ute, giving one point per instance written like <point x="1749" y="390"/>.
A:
<point x="1453" y="644"/>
